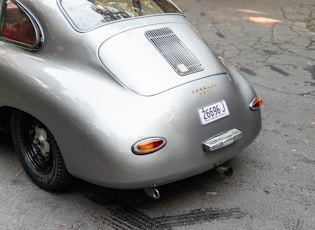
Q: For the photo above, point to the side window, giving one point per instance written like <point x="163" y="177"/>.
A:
<point x="17" y="27"/>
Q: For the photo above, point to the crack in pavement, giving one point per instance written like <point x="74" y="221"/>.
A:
<point x="289" y="43"/>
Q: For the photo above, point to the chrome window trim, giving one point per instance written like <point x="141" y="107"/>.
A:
<point x="38" y="30"/>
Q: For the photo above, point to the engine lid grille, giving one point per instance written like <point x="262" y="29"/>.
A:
<point x="174" y="51"/>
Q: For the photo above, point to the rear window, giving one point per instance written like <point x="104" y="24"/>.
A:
<point x="88" y="14"/>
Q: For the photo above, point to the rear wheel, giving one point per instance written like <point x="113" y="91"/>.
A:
<point x="38" y="152"/>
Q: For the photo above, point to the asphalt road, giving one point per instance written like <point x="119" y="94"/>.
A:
<point x="273" y="187"/>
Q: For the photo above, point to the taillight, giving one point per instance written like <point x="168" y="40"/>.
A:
<point x="148" y="145"/>
<point x="256" y="103"/>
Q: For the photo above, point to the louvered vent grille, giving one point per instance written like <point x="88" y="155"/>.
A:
<point x="174" y="51"/>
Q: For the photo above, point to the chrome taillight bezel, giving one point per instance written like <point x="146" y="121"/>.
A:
<point x="147" y="141"/>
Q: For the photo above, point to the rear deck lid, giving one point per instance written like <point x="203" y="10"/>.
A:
<point x="152" y="59"/>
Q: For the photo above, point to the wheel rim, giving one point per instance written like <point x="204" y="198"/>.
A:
<point x="37" y="145"/>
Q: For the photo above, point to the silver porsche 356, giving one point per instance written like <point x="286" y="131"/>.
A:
<point x="120" y="93"/>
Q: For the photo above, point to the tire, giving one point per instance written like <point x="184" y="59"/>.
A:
<point x="38" y="152"/>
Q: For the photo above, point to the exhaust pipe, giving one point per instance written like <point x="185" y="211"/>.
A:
<point x="152" y="192"/>
<point x="227" y="171"/>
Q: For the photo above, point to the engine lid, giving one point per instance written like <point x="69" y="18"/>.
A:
<point x="152" y="59"/>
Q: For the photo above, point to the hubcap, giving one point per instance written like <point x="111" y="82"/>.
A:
<point x="37" y="145"/>
<point x="41" y="142"/>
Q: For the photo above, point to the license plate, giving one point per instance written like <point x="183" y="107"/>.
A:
<point x="213" y="112"/>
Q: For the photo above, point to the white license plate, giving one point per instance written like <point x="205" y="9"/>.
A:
<point x="213" y="112"/>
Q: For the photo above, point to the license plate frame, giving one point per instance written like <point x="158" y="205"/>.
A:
<point x="213" y="112"/>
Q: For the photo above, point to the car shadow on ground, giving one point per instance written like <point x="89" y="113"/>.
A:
<point x="132" y="209"/>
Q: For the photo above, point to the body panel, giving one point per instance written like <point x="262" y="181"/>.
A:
<point x="101" y="91"/>
<point x="145" y="70"/>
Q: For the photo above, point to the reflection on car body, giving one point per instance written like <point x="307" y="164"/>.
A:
<point x="123" y="94"/>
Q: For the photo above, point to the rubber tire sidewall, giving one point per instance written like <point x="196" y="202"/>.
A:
<point x="58" y="177"/>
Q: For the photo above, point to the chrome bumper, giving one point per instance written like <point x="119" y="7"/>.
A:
<point x="221" y="140"/>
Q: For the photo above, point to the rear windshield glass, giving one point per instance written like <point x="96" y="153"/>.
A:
<point x="88" y="14"/>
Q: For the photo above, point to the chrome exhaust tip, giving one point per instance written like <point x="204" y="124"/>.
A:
<point x="152" y="192"/>
<point x="227" y="171"/>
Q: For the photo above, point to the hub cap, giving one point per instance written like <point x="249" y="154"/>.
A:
<point x="41" y="142"/>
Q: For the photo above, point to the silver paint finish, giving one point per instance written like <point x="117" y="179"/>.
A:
<point x="101" y="91"/>
<point x="149" y="73"/>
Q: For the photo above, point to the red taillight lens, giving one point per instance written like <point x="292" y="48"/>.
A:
<point x="256" y="103"/>
<point x="149" y="145"/>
